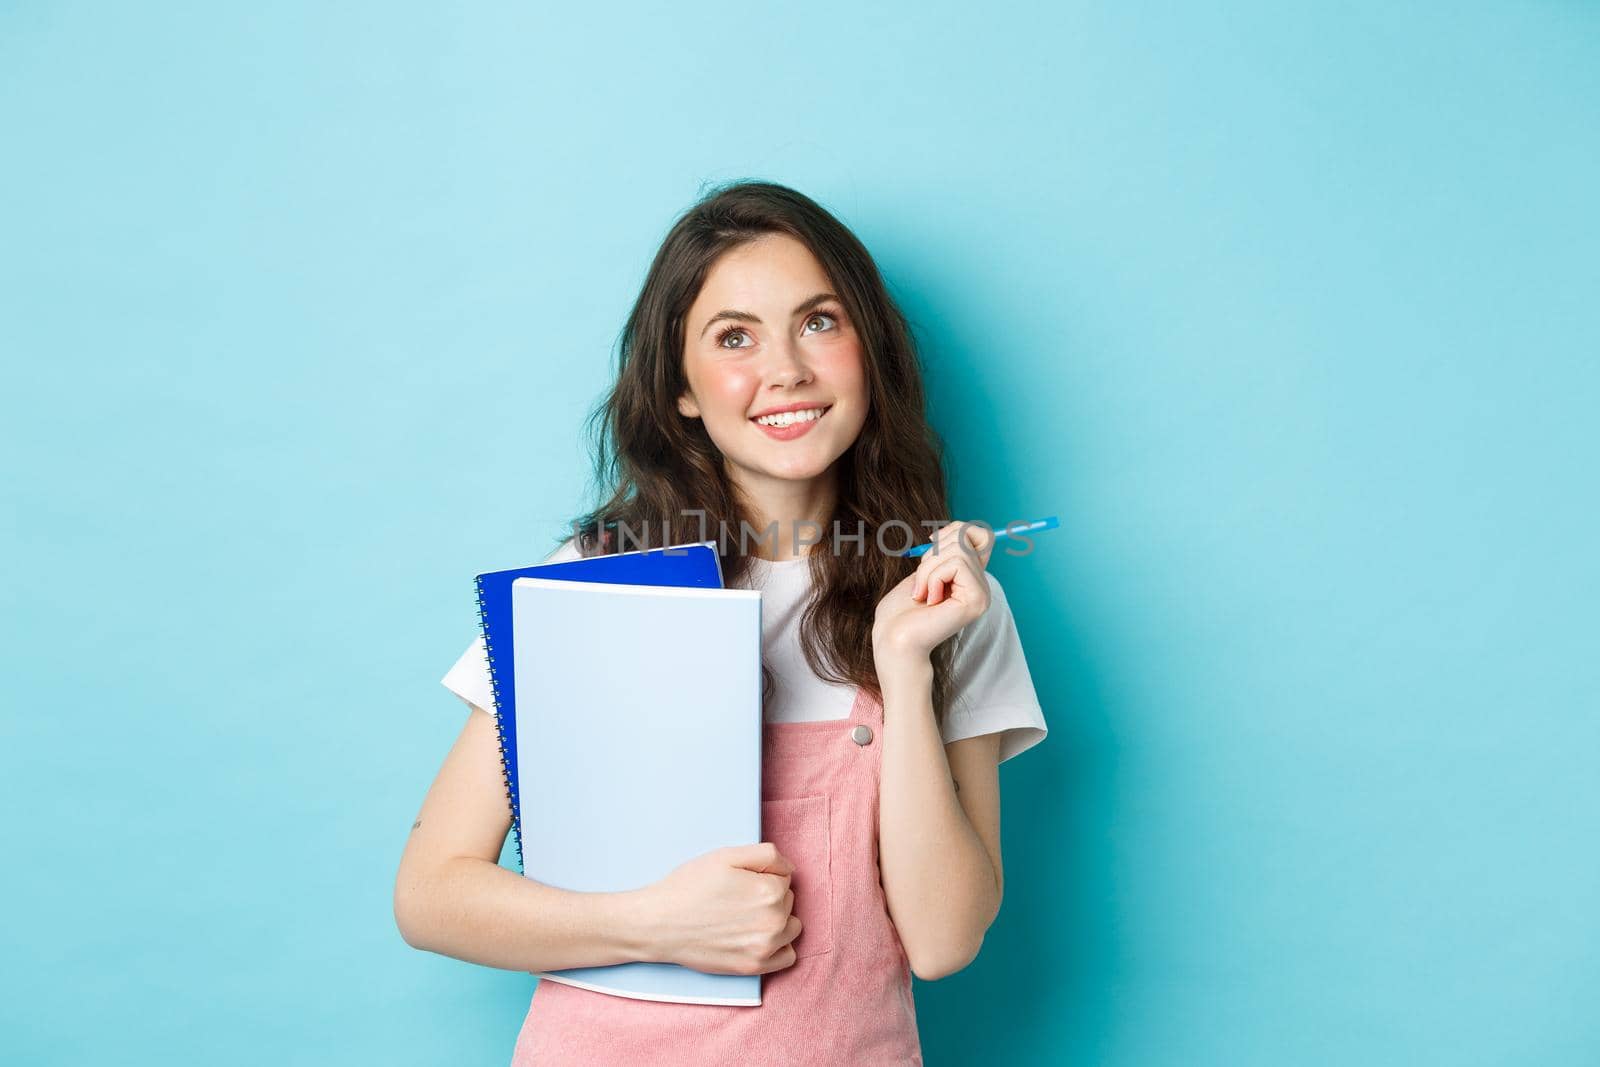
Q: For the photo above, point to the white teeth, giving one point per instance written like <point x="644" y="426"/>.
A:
<point x="789" y="418"/>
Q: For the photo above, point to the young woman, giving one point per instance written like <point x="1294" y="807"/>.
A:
<point x="893" y="686"/>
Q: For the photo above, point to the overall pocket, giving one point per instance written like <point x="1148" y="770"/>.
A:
<point x="798" y="826"/>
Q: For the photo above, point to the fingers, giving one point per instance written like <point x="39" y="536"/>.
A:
<point x="977" y="536"/>
<point x="963" y="534"/>
<point x="954" y="540"/>
<point x="961" y="549"/>
<point x="957" y="573"/>
<point x="762" y="857"/>
<point x="783" y="956"/>
<point x="942" y="577"/>
<point x="953" y="575"/>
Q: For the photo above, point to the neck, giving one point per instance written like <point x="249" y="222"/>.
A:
<point x="786" y="512"/>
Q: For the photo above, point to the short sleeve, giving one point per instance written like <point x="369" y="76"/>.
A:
<point x="992" y="690"/>
<point x="468" y="678"/>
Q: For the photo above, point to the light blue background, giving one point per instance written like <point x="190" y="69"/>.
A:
<point x="1289" y="315"/>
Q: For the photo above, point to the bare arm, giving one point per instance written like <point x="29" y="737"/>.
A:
<point x="452" y="897"/>
<point x="938" y="845"/>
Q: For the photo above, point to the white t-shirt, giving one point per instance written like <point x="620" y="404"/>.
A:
<point x="993" y="691"/>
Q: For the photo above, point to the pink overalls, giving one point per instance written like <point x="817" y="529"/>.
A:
<point x="847" y="998"/>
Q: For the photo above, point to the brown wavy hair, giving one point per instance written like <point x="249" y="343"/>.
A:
<point x="652" y="463"/>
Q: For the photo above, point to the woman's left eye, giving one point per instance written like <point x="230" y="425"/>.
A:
<point x="819" y="315"/>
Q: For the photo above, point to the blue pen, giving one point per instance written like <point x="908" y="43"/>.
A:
<point x="1048" y="523"/>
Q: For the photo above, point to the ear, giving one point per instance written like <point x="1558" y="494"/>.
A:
<point x="687" y="407"/>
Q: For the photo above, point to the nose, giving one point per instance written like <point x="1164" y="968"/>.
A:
<point x="788" y="368"/>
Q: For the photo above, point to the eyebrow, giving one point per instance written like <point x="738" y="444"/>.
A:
<point x="745" y="316"/>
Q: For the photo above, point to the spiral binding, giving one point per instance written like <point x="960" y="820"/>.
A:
<point x="500" y="729"/>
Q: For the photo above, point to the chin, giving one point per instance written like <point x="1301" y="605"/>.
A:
<point x="797" y="470"/>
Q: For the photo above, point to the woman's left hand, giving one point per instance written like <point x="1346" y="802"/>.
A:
<point x="946" y="591"/>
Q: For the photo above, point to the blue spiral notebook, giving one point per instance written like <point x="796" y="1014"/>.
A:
<point x="575" y="653"/>
<point x="690" y="565"/>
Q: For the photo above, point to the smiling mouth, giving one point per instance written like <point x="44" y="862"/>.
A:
<point x="792" y="418"/>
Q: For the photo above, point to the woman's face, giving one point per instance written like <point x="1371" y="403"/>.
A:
<point x="766" y="332"/>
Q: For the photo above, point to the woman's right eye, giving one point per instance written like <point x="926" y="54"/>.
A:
<point x="724" y="335"/>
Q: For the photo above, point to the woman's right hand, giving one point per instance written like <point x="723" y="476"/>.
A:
<point x="727" y="911"/>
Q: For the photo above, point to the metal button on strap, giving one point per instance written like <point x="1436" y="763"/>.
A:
<point x="861" y="735"/>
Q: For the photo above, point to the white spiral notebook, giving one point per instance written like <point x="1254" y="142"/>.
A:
<point x="638" y="746"/>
